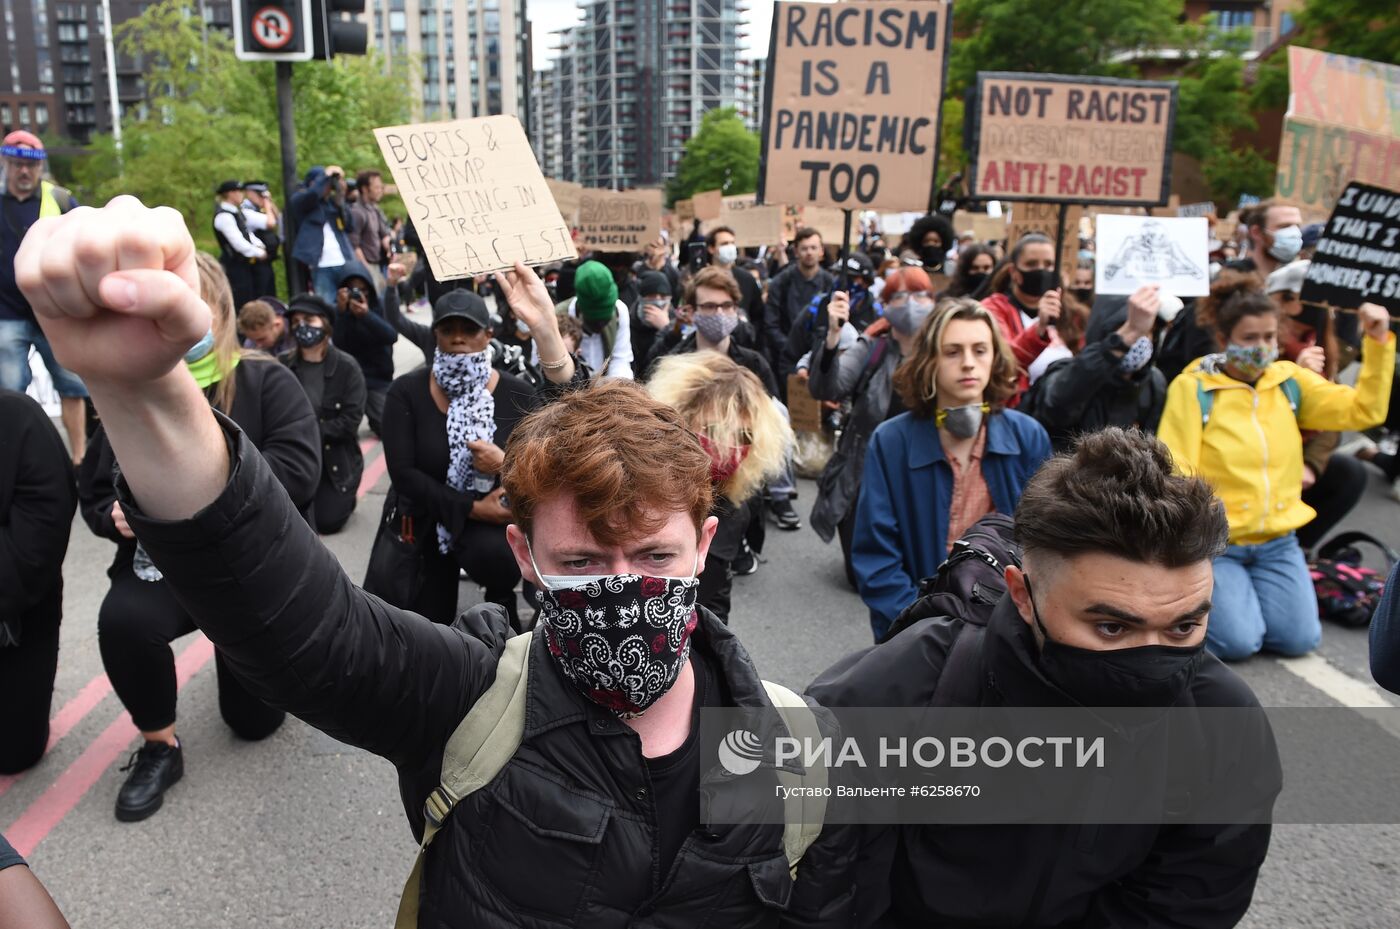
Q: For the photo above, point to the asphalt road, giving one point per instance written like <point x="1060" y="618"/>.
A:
<point x="301" y="831"/>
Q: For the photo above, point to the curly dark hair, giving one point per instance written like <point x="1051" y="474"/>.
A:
<point x="1118" y="493"/>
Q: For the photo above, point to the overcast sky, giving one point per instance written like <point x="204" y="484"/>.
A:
<point x="551" y="15"/>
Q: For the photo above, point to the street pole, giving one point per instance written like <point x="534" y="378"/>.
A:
<point x="112" y="80"/>
<point x="287" y="131"/>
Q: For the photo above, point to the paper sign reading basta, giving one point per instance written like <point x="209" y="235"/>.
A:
<point x="475" y="195"/>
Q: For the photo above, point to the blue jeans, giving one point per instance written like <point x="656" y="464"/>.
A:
<point x="16" y="335"/>
<point x="1263" y="599"/>
<point x="327" y="282"/>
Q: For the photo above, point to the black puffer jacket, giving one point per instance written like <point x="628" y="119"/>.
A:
<point x="342" y="408"/>
<point x="37" y="499"/>
<point x="1088" y="393"/>
<point x="1038" y="876"/>
<point x="272" y="410"/>
<point x="564" y="836"/>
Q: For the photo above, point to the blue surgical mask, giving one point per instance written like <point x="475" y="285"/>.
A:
<point x="1288" y="242"/>
<point x="201" y="348"/>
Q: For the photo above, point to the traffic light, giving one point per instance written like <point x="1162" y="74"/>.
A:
<point x="273" y="30"/>
<point x="335" y="35"/>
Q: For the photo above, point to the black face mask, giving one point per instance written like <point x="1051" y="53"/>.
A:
<point x="933" y="257"/>
<point x="1146" y="676"/>
<point x="1084" y="295"/>
<point x="975" y="282"/>
<point x="308" y="336"/>
<point x="1036" y="283"/>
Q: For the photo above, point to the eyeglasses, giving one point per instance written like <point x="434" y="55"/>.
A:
<point x="710" y="309"/>
<point x="918" y="298"/>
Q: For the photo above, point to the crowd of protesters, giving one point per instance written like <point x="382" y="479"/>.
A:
<point x="958" y="379"/>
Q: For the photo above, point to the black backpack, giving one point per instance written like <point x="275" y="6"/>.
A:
<point x="1348" y="592"/>
<point x="973" y="579"/>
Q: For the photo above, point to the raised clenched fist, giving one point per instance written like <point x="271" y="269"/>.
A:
<point x="115" y="290"/>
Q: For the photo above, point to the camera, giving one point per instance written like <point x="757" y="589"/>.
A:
<point x="357" y="295"/>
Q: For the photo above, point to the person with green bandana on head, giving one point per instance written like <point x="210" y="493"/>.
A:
<point x="140" y="616"/>
<point x="607" y="335"/>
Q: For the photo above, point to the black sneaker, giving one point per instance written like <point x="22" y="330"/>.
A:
<point x="784" y="515"/>
<point x="746" y="563"/>
<point x="154" y="767"/>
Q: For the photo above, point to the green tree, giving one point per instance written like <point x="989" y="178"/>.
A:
<point x="1214" y="109"/>
<point x="210" y="117"/>
<point x="723" y="154"/>
<point x="1068" y="37"/>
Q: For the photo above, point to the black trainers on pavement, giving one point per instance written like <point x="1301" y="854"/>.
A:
<point x="784" y="515"/>
<point x="154" y="767"/>
<point x="746" y="563"/>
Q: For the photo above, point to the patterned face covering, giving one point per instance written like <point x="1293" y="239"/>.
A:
<point x="471" y="416"/>
<point x="1250" y="360"/>
<point x="622" y="639"/>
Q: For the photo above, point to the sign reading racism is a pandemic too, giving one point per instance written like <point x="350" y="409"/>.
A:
<point x="619" y="222"/>
<point x="1357" y="259"/>
<point x="853" y="97"/>
<point x="1072" y="139"/>
<point x="475" y="195"/>
<point x="1342" y="125"/>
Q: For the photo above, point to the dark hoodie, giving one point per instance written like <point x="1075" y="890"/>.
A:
<point x="369" y="339"/>
<point x="1037" y="876"/>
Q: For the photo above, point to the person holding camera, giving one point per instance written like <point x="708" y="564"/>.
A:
<point x="362" y="332"/>
<point x="323" y="226"/>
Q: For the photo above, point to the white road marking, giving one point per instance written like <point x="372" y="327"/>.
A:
<point x="1320" y="674"/>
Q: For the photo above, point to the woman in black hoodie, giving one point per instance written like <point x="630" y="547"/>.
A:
<point x="140" y="616"/>
<point x="37" y="500"/>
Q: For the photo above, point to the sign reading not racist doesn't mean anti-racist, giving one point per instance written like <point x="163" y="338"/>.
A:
<point x="853" y="98"/>
<point x="1064" y="139"/>
<point x="475" y="195"/>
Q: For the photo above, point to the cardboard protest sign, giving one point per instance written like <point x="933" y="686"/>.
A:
<point x="685" y="211"/>
<point x="708" y="204"/>
<point x="1136" y="250"/>
<point x="475" y="194"/>
<point x="1062" y="139"/>
<point x="1342" y="125"/>
<point x="830" y="223"/>
<point x="804" y="413"/>
<point x="754" y="224"/>
<point x="984" y="228"/>
<point x="609" y="221"/>
<point x="1358" y="257"/>
<point x="566" y="196"/>
<point x="1206" y="209"/>
<point x="853" y="103"/>
<point x="792" y="221"/>
<point x="1044" y="219"/>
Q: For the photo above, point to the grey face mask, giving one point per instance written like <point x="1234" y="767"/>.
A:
<point x="962" y="421"/>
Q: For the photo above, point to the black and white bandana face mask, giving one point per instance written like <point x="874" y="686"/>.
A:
<point x="622" y="639"/>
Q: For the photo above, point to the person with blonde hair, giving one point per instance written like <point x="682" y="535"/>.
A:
<point x="747" y="438"/>
<point x="957" y="455"/>
<point x="140" y="616"/>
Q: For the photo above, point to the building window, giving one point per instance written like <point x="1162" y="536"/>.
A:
<point x="1232" y="17"/>
<point x="6" y="114"/>
<point x="1285" y="22"/>
<point x="398" y="22"/>
<point x="24" y="114"/>
<point x="41" y="117"/>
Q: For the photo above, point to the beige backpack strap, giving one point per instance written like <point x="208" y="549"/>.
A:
<point x="802" y="815"/>
<point x="483" y="743"/>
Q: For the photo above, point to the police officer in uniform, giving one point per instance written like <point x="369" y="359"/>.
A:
<point x="263" y="221"/>
<point x="240" y="252"/>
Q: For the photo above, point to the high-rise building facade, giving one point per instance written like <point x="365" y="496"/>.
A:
<point x="474" y="54"/>
<point x="631" y="83"/>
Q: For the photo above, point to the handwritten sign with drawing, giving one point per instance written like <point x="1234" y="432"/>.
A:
<point x="1136" y="250"/>
<point x="475" y="194"/>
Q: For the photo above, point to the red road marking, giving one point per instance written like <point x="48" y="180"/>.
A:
<point x="72" y="785"/>
<point x="46" y="812"/>
<point x="69" y="716"/>
<point x="373" y="472"/>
